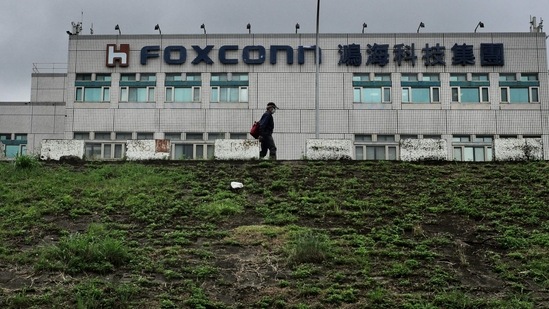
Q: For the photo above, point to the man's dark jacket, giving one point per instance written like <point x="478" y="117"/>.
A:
<point x="266" y="124"/>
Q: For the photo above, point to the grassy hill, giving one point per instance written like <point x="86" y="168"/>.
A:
<point x="298" y="235"/>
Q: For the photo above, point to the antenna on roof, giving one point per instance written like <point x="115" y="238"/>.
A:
<point x="91" y="29"/>
<point x="534" y="26"/>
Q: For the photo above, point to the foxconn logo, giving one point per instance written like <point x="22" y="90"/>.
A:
<point x="120" y="56"/>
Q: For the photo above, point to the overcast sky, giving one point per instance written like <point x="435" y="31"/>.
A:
<point x="34" y="31"/>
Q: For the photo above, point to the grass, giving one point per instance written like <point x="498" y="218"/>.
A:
<point x="298" y="235"/>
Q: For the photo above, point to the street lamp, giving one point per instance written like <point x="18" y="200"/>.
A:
<point x="249" y="27"/>
<point x="203" y="27"/>
<point x="480" y="24"/>
<point x="296" y="27"/>
<point x="117" y="28"/>
<point x="421" y="25"/>
<point x="157" y="27"/>
<point x="364" y="27"/>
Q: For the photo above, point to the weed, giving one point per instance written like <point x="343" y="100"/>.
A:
<point x="96" y="251"/>
<point x="309" y="247"/>
<point x="101" y="294"/>
<point x="26" y="162"/>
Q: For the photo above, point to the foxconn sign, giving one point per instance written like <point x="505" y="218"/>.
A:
<point x="227" y="54"/>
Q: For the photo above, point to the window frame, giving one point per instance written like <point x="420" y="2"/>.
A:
<point x="411" y="89"/>
<point x="104" y="96"/>
<point x="482" y="90"/>
<point x="472" y="144"/>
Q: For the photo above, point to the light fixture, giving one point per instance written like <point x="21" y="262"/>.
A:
<point x="249" y="27"/>
<point x="364" y="25"/>
<point x="117" y="28"/>
<point x="480" y="24"/>
<point x="157" y="27"/>
<point x="296" y="27"/>
<point x="421" y="25"/>
<point x="69" y="33"/>
<point x="203" y="27"/>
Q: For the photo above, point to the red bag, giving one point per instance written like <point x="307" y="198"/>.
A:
<point x="254" y="131"/>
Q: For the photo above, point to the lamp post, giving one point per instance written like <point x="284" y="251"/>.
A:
<point x="480" y="24"/>
<point x="317" y="66"/>
<point x="421" y="25"/>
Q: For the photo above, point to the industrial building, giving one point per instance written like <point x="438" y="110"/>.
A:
<point x="467" y="89"/>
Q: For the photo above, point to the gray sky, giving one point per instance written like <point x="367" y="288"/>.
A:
<point x="34" y="31"/>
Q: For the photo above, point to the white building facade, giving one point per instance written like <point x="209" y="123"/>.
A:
<point x="376" y="90"/>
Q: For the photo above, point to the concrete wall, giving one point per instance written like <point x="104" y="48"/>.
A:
<point x="518" y="149"/>
<point x="56" y="149"/>
<point x="329" y="149"/>
<point x="423" y="149"/>
<point x="137" y="150"/>
<point x="231" y="149"/>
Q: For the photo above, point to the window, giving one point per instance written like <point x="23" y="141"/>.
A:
<point x="408" y="136"/>
<point x="229" y="88"/>
<point x="195" y="147"/>
<point x="376" y="90"/>
<point x="183" y="94"/>
<point x="104" y="151"/>
<point x="426" y="90"/>
<point x="214" y="136"/>
<point x="123" y="136"/>
<point x="192" y="151"/>
<point x="528" y="77"/>
<point x="20" y="137"/>
<point x="458" y="77"/>
<point x="103" y="77"/>
<point x="173" y="136"/>
<point x="229" y="94"/>
<point x="84" y="77"/>
<point x="194" y="136"/>
<point x="479" y="77"/>
<point x="519" y="95"/>
<point x="137" y="94"/>
<point x="507" y="77"/>
<point x="523" y="90"/>
<point x="468" y="148"/>
<point x="15" y="147"/>
<point x="470" y="94"/>
<point x="94" y="91"/>
<point x="136" y="90"/>
<point x="81" y="135"/>
<point x="474" y="91"/>
<point x="90" y="94"/>
<point x="380" y="147"/>
<point x="127" y="77"/>
<point x="238" y="135"/>
<point x="420" y="95"/>
<point x="183" y="88"/>
<point x="149" y="77"/>
<point x="102" y="136"/>
<point x="145" y="135"/>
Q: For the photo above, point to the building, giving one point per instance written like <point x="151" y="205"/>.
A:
<point x="467" y="89"/>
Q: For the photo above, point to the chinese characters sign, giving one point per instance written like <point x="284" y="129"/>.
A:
<point x="379" y="54"/>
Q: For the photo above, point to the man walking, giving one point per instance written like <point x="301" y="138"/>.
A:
<point x="266" y="127"/>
